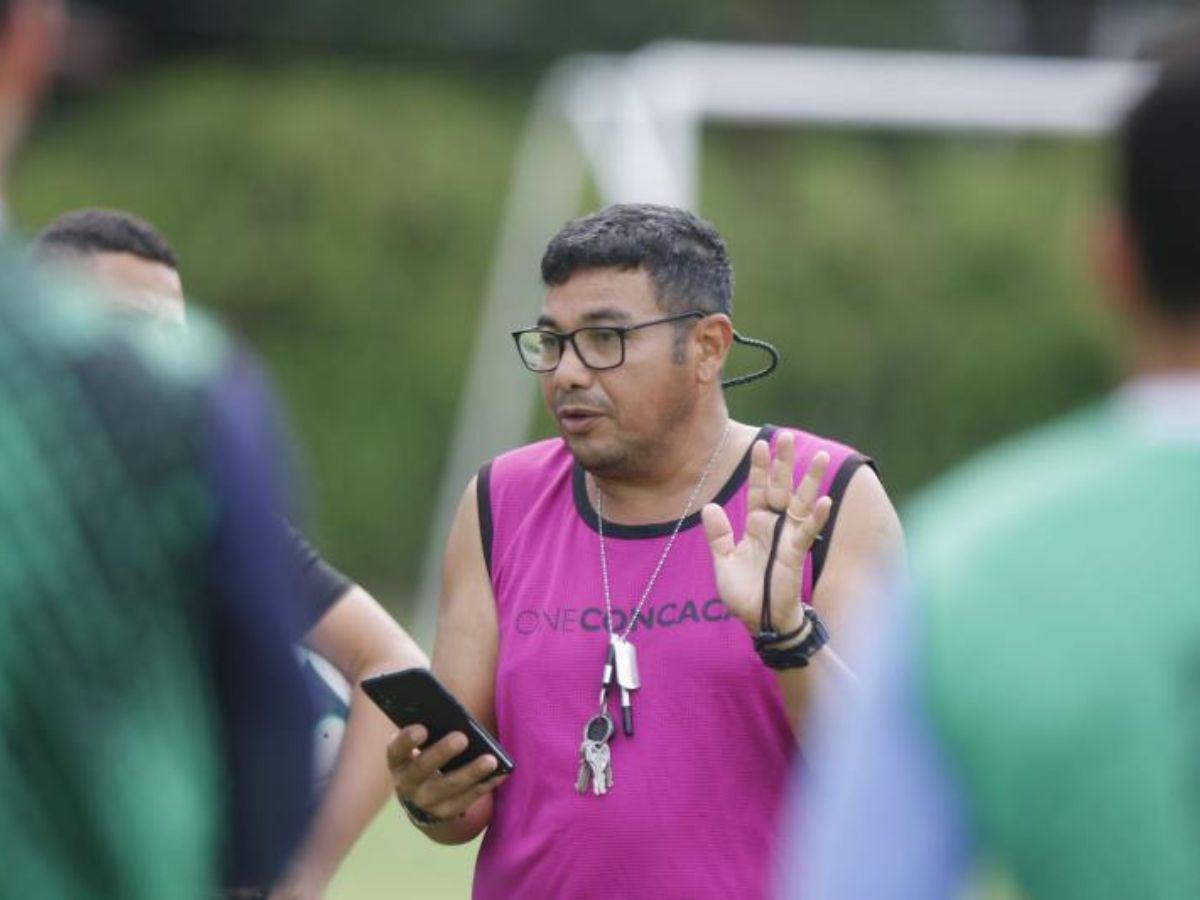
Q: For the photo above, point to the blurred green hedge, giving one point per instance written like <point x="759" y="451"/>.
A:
<point x="529" y="30"/>
<point x="928" y="294"/>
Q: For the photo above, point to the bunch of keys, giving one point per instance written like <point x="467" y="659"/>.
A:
<point x="622" y="663"/>
<point x="595" y="764"/>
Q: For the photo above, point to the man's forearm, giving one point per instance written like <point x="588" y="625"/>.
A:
<point x="825" y="673"/>
<point x="358" y="789"/>
<point x="361" y="640"/>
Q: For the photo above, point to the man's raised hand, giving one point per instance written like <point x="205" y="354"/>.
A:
<point x="741" y="565"/>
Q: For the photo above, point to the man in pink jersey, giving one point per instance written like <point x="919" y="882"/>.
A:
<point x="574" y="557"/>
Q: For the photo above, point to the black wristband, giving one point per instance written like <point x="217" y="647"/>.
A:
<point x="769" y="638"/>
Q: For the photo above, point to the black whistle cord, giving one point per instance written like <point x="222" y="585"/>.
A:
<point x="761" y="373"/>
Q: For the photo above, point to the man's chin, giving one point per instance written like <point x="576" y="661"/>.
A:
<point x="594" y="455"/>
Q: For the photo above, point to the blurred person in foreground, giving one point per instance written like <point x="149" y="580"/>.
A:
<point x="143" y="600"/>
<point x="1035" y="708"/>
<point x="130" y="265"/>
<point x="591" y="546"/>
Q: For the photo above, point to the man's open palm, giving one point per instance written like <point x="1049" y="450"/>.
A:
<point x="740" y="566"/>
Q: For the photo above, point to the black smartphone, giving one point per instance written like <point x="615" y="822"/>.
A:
<point x="416" y="697"/>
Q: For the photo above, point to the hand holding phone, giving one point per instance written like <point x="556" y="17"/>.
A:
<point x="443" y="760"/>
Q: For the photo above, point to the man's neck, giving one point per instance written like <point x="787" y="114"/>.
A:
<point x="658" y="492"/>
<point x="1165" y="348"/>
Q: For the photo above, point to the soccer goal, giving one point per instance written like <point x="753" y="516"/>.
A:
<point x="630" y="126"/>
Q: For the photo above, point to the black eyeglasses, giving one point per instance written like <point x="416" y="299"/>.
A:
<point x="598" y="347"/>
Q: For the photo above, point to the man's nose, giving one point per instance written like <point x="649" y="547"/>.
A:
<point x="571" y="372"/>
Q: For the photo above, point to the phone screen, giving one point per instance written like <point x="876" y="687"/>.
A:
<point x="416" y="697"/>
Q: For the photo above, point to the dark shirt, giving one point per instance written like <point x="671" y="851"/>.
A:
<point x="145" y="613"/>
<point x="255" y="622"/>
<point x="320" y="584"/>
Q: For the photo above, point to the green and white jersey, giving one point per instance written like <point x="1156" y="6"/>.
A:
<point x="1034" y="702"/>
<point x="149" y="739"/>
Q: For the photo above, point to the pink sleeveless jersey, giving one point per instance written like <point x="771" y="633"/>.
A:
<point x="692" y="813"/>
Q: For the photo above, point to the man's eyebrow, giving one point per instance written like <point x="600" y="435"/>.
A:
<point x="591" y="317"/>
<point x="605" y="314"/>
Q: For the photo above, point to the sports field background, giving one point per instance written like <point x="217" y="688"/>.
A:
<point x="929" y="294"/>
<point x="393" y="861"/>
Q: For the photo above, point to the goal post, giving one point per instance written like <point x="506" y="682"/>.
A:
<point x="633" y="125"/>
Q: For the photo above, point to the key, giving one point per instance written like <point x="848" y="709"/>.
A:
<point x="599" y="759"/>
<point x="585" y="774"/>
<point x="596" y="733"/>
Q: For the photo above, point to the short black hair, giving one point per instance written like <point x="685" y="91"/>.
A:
<point x="84" y="231"/>
<point x="1159" y="183"/>
<point x="684" y="255"/>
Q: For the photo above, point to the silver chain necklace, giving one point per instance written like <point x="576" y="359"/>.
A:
<point x="662" y="559"/>
<point x="595" y="763"/>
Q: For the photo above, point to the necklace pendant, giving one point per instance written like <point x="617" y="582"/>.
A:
<point x="621" y="655"/>
<point x="625" y="659"/>
<point x="625" y="654"/>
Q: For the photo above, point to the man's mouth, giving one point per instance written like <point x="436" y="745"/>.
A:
<point x="577" y="419"/>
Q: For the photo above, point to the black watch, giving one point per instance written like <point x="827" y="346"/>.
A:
<point x="797" y="656"/>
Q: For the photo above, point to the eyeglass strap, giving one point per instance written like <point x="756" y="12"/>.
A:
<point x="761" y="373"/>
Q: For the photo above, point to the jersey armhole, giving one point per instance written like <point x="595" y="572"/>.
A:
<point x="483" y="499"/>
<point x="837" y="490"/>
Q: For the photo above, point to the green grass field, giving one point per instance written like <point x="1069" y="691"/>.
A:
<point x="392" y="860"/>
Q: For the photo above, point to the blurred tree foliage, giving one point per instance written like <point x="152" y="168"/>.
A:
<point x="539" y="28"/>
<point x="928" y="293"/>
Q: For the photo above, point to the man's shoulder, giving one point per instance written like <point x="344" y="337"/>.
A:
<point x="58" y="322"/>
<point x="1007" y="494"/>
<point x="844" y="459"/>
<point x="813" y="441"/>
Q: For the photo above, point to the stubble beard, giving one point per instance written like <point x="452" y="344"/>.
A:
<point x="629" y="457"/>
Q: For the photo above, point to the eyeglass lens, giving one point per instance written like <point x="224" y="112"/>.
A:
<point x="598" y="348"/>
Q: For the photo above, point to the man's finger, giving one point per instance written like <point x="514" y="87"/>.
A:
<point x="806" y="533"/>
<point x="810" y="486"/>
<point x="760" y="465"/>
<point x="400" y="750"/>
<point x="457" y="806"/>
<point x="431" y="759"/>
<point x="779" y="490"/>
<point x="460" y="780"/>
<point x="457" y="785"/>
<point x="718" y="530"/>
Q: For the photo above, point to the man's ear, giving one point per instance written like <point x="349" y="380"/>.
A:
<point x="1117" y="263"/>
<point x="713" y="337"/>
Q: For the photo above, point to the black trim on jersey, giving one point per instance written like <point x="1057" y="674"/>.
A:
<point x="583" y="503"/>
<point x="820" y="549"/>
<point x="483" y="498"/>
